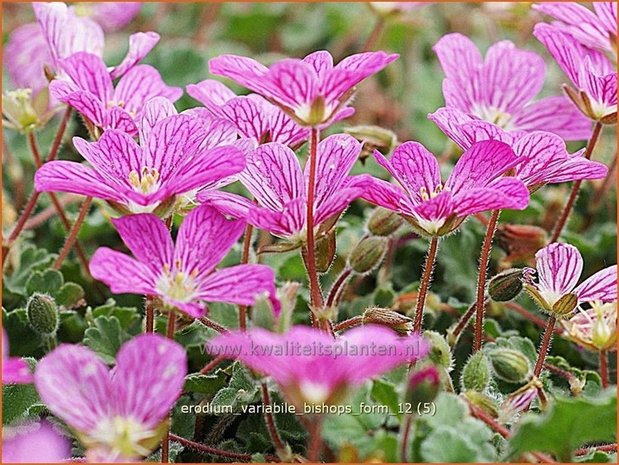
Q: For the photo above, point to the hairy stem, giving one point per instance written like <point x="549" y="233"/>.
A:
<point x="544" y="345"/>
<point x="150" y="315"/>
<point x="406" y="432"/>
<point x="604" y="368"/>
<point x="269" y="419"/>
<point x="377" y="30"/>
<point x="428" y="268"/>
<point x="338" y="287"/>
<point x="567" y="209"/>
<point x="244" y="260"/>
<point x="165" y="442"/>
<point x="350" y="323"/>
<point x="19" y="225"/>
<point x="213" y="451"/>
<point x="314" y="446"/>
<point x="210" y="366"/>
<point x="75" y="229"/>
<point x="213" y="325"/>
<point x="463" y="322"/>
<point x="484" y="259"/>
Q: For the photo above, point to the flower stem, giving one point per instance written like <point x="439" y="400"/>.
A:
<point x="36" y="155"/>
<point x="210" y="366"/>
<point x="213" y="325"/>
<point x="338" y="286"/>
<point x="375" y="34"/>
<point x="604" y="368"/>
<point x="314" y="447"/>
<point x="278" y="443"/>
<point x="428" y="268"/>
<point x="165" y="442"/>
<point x="53" y="151"/>
<point x="463" y="322"/>
<point x="350" y="323"/>
<point x="213" y="451"/>
<point x="484" y="259"/>
<point x="544" y="345"/>
<point x="150" y="315"/>
<point x="244" y="260"/>
<point x="567" y="210"/>
<point x="406" y="432"/>
<point x="19" y="226"/>
<point x="75" y="229"/>
<point x="316" y="299"/>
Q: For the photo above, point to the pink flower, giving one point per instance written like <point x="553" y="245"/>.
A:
<point x="119" y="413"/>
<point x="252" y="115"/>
<point x="275" y="179"/>
<point x="34" y="443"/>
<point x="111" y="16"/>
<point x="313" y="91"/>
<point x="554" y="288"/>
<point x="59" y="33"/>
<point x="91" y="92"/>
<point x="543" y="156"/>
<point x="499" y="89"/>
<point x="590" y="71"/>
<point x="435" y="209"/>
<point x="595" y="29"/>
<point x="311" y="367"/>
<point x="14" y="369"/>
<point x="182" y="275"/>
<point x="594" y="328"/>
<point x="175" y="157"/>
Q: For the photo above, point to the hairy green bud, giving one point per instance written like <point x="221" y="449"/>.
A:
<point x="509" y="365"/>
<point x="506" y="285"/>
<point x="440" y="352"/>
<point x="484" y="402"/>
<point x="384" y="222"/>
<point x="476" y="373"/>
<point x="367" y="254"/>
<point x="383" y="316"/>
<point x="42" y="313"/>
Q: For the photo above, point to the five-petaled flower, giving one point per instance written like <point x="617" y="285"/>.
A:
<point x="119" y="414"/>
<point x="14" y="369"/>
<point x="553" y="283"/>
<point x="175" y="157"/>
<point x="90" y="90"/>
<point x="275" y="179"/>
<point x="499" y="89"/>
<point x="312" y="91"/>
<point x="476" y="184"/>
<point x="313" y="368"/>
<point x="183" y="276"/>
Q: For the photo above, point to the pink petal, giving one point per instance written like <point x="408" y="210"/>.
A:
<point x="321" y="61"/>
<point x="338" y="201"/>
<point x="34" y="443"/>
<point x="387" y="195"/>
<point x="436" y="208"/>
<point x="577" y="167"/>
<point x="248" y="116"/>
<point x="123" y="274"/>
<point x="540" y="154"/>
<point x="153" y="111"/>
<point x="88" y="73"/>
<point x="240" y="285"/>
<point x="245" y="71"/>
<point x="140" y="44"/>
<point x="15" y="371"/>
<point x="148" y="378"/>
<point x="292" y="83"/>
<point x="481" y="164"/>
<point x="600" y="286"/>
<point x="148" y="239"/>
<point x="25" y="55"/>
<point x="502" y="194"/>
<point x="204" y="238"/>
<point x="287" y="221"/>
<point x="74" y="178"/>
<point x="450" y="121"/>
<point x="83" y="101"/>
<point x="227" y="203"/>
<point x="114" y="16"/>
<point x="210" y="93"/>
<point x="74" y="384"/>
<point x="220" y="132"/>
<point x="559" y="267"/>
<point x="140" y="84"/>
<point x="119" y="119"/>
<point x="607" y="14"/>
<point x="555" y="114"/>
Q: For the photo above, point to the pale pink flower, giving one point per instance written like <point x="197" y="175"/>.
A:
<point x="591" y="72"/>
<point x="311" y="367"/>
<point x="119" y="413"/>
<point x="34" y="443"/>
<point x="434" y="208"/>
<point x="500" y="89"/>
<point x="183" y="275"/>
<point x="252" y="115"/>
<point x="313" y="91"/>
<point x="14" y="369"/>
<point x="595" y="327"/>
<point x="111" y="16"/>
<point x="556" y="275"/>
<point x="278" y="184"/>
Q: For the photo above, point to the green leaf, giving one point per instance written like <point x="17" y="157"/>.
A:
<point x="567" y="425"/>
<point x="126" y="316"/>
<point x="70" y="295"/>
<point x="45" y="282"/>
<point x="386" y="394"/>
<point x="105" y="337"/>
<point x="447" y="444"/>
<point x="30" y="260"/>
<point x="23" y="340"/>
<point x="204" y="384"/>
<point x="18" y="399"/>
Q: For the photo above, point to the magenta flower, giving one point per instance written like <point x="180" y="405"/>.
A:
<point x="435" y="209"/>
<point x="313" y="91"/>
<point x="182" y="275"/>
<point x="311" y="367"/>
<point x="500" y="89"/>
<point x="595" y="29"/>
<point x="91" y="92"/>
<point x="559" y="267"/>
<point x="252" y="115"/>
<point x="173" y="159"/>
<point x="543" y="156"/>
<point x="593" y="75"/>
<point x="14" y="369"/>
<point x="275" y="179"/>
<point x="34" y="443"/>
<point x="119" y="413"/>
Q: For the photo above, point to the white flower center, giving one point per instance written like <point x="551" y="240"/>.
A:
<point x="177" y="285"/>
<point x="495" y="116"/>
<point x="123" y="436"/>
<point x="146" y="182"/>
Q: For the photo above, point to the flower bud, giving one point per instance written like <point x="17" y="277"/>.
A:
<point x="367" y="254"/>
<point x="506" y="285"/>
<point x="484" y="402"/>
<point x="476" y="373"/>
<point x="509" y="365"/>
<point x="565" y="305"/>
<point x="440" y="353"/>
<point x="18" y="111"/>
<point x="519" y="400"/>
<point x="42" y="313"/>
<point x="423" y="386"/>
<point x="383" y="316"/>
<point x="588" y="108"/>
<point x="373" y="138"/>
<point x="325" y="252"/>
<point x="520" y="241"/>
<point x="384" y="222"/>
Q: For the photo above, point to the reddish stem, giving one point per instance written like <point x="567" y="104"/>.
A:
<point x="53" y="151"/>
<point x="375" y="34"/>
<point x="338" y="286"/>
<point x="604" y="448"/>
<point x="464" y="321"/>
<point x="567" y="210"/>
<point x="544" y="345"/>
<point x="278" y="443"/>
<point x="604" y="368"/>
<point x="210" y="366"/>
<point x="480" y="303"/>
<point x="213" y="325"/>
<point x="406" y="431"/>
<point x="314" y="446"/>
<point x="150" y="315"/>
<point x="75" y="229"/>
<point x="165" y="442"/>
<point x="350" y="323"/>
<point x="211" y="450"/>
<point x="428" y="268"/>
<point x="244" y="260"/>
<point x="36" y="155"/>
